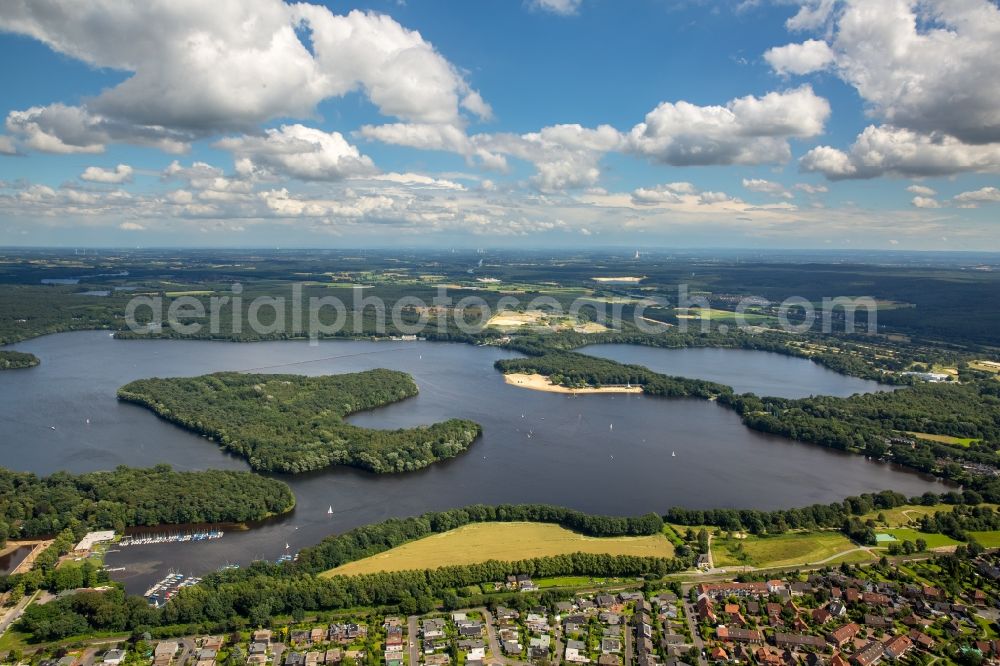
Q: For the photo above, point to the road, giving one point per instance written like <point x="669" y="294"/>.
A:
<point x="627" y="631"/>
<point x="15" y="613"/>
<point x="690" y="613"/>
<point x="187" y="647"/>
<point x="491" y="634"/>
<point x="412" y="627"/>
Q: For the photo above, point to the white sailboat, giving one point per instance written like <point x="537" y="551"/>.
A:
<point x="673" y="454"/>
<point x="329" y="511"/>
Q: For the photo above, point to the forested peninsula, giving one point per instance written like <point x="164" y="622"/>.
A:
<point x="14" y="360"/>
<point x="293" y="423"/>
<point x="32" y="506"/>
<point x="575" y="370"/>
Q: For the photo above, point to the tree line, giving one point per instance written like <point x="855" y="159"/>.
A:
<point x="33" y="506"/>
<point x="293" y="423"/>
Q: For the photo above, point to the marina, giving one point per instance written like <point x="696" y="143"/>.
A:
<point x="164" y="590"/>
<point x="180" y="537"/>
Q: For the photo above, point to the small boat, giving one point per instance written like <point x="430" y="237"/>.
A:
<point x="329" y="511"/>
<point x="611" y="427"/>
<point x="88" y="421"/>
<point x="52" y="427"/>
<point x="673" y="454"/>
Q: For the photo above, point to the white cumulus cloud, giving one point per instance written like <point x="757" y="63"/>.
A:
<point x="890" y="150"/>
<point x="747" y="130"/>
<point x="228" y="65"/>
<point x="300" y="152"/>
<point x="766" y="187"/>
<point x="925" y="202"/>
<point x="120" y="174"/>
<point x="976" y="197"/>
<point x="811" y="55"/>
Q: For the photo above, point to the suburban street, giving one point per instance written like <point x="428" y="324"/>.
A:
<point x="14" y="614"/>
<point x="412" y="629"/>
<point x="690" y="613"/>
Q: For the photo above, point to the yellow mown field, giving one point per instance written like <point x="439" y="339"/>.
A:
<point x="500" y="541"/>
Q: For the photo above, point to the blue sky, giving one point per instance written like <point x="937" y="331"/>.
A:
<point x="785" y="123"/>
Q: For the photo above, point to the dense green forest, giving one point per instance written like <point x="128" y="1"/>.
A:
<point x="370" y="540"/>
<point x="293" y="423"/>
<point x="29" y="311"/>
<point x="579" y="370"/>
<point x="13" y="360"/>
<point x="32" y="506"/>
<point x="877" y="424"/>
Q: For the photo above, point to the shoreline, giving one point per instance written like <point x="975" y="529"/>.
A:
<point x="541" y="383"/>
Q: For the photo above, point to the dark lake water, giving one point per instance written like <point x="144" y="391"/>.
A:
<point x="10" y="560"/>
<point x="747" y="371"/>
<point x="573" y="458"/>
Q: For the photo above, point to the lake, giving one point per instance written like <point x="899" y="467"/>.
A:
<point x="608" y="454"/>
<point x="747" y="371"/>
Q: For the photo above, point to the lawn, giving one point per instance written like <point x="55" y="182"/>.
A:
<point x="782" y="550"/>
<point x="501" y="541"/>
<point x="986" y="539"/>
<point x="944" y="439"/>
<point x="903" y="516"/>
<point x="933" y="540"/>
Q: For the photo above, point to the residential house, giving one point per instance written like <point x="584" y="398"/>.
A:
<point x="113" y="657"/>
<point x="898" y="646"/>
<point x="842" y="635"/>
<point x="798" y="640"/>
<point x="738" y="635"/>
<point x="868" y="655"/>
<point x="576" y="652"/>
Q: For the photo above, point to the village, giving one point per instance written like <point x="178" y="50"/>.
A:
<point x="837" y="616"/>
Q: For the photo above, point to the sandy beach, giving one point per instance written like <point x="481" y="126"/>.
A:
<point x="541" y="383"/>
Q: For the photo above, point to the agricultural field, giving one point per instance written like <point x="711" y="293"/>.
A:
<point x="480" y="542"/>
<point x="751" y="316"/>
<point x="785" y="550"/>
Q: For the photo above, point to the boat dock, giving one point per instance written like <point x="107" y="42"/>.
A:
<point x="178" y="537"/>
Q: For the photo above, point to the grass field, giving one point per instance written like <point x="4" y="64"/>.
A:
<point x="193" y="292"/>
<point x="784" y="549"/>
<point x="903" y="516"/>
<point x="987" y="539"/>
<point x="500" y="541"/>
<point x="933" y="540"/>
<point x="944" y="439"/>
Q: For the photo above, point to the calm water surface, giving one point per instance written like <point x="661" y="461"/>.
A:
<point x="747" y="371"/>
<point x="598" y="453"/>
<point x="10" y="560"/>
